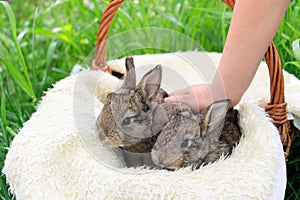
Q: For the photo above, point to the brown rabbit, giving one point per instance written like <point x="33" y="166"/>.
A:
<point x="191" y="139"/>
<point x="126" y="118"/>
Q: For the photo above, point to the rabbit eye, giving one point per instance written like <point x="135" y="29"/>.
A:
<point x="185" y="143"/>
<point x="126" y="121"/>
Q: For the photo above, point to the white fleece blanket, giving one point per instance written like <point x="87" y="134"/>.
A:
<point x="57" y="156"/>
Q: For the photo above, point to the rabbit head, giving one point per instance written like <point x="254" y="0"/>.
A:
<point x="126" y="115"/>
<point x="191" y="139"/>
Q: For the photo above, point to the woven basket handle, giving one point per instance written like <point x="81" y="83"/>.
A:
<point x="99" y="63"/>
<point x="277" y="106"/>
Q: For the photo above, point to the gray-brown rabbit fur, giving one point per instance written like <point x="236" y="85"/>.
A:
<point x="190" y="139"/>
<point x="126" y="118"/>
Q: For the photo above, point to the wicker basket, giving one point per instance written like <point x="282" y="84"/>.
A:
<point x="56" y="154"/>
<point x="276" y="108"/>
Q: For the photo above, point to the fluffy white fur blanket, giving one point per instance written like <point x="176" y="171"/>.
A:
<point x="57" y="156"/>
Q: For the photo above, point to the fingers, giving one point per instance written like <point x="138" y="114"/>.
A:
<point x="178" y="95"/>
<point x="191" y="96"/>
<point x="188" y="99"/>
<point x="184" y="97"/>
<point x="172" y="98"/>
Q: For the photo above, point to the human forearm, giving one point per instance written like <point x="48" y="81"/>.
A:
<point x="253" y="25"/>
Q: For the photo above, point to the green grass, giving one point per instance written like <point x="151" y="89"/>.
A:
<point x="41" y="41"/>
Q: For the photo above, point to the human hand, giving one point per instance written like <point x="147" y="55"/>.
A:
<point x="197" y="97"/>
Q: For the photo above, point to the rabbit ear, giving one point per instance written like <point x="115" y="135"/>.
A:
<point x="214" y="118"/>
<point x="130" y="77"/>
<point x="150" y="83"/>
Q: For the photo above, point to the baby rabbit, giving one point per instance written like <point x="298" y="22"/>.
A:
<point x="126" y="118"/>
<point x="191" y="139"/>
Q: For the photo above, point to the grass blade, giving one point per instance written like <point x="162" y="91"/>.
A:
<point x="60" y="36"/>
<point x="170" y="18"/>
<point x="3" y="121"/>
<point x="11" y="17"/>
<point x="33" y="44"/>
<point x="296" y="48"/>
<point x="3" y="115"/>
<point x="294" y="63"/>
<point x="12" y="21"/>
<point x="4" y="189"/>
<point x="19" y="79"/>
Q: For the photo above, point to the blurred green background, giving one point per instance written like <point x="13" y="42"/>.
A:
<point x="41" y="41"/>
